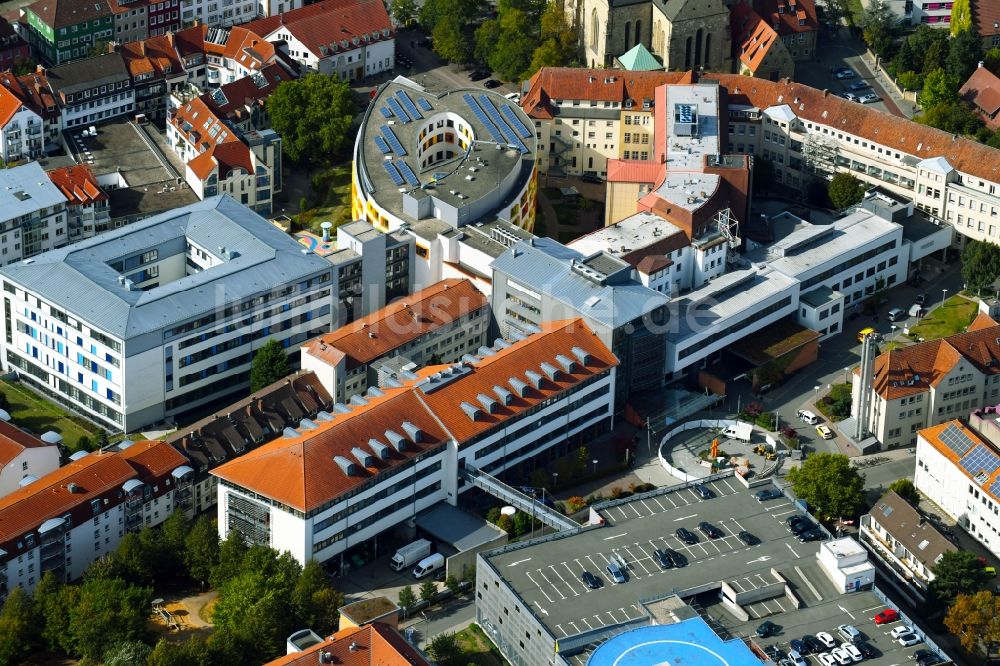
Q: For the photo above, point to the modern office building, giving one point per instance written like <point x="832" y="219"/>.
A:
<point x="364" y="468"/>
<point x="152" y="320"/>
<point x="70" y="517"/>
<point x="438" y="324"/>
<point x="436" y="163"/>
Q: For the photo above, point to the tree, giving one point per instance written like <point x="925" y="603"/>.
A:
<point x="192" y="652"/>
<point x="975" y="619"/>
<point x="107" y="612"/>
<point x="314" y="600"/>
<point x="254" y="611"/>
<point x="905" y="489"/>
<point x="428" y="590"/>
<point x="961" y="17"/>
<point x="313" y="115"/>
<point x="939" y="87"/>
<point x="128" y="653"/>
<point x="102" y="439"/>
<point x="53" y="601"/>
<point x="980" y="264"/>
<point x="19" y="624"/>
<point x="406" y="598"/>
<point x="453" y="585"/>
<point x="230" y="561"/>
<point x="133" y="561"/>
<point x="879" y="26"/>
<point x="965" y="51"/>
<point x="991" y="60"/>
<point x="445" y="650"/>
<point x="450" y="24"/>
<point x="957" y="572"/>
<point x="403" y="12"/>
<point x="910" y="80"/>
<point x="955" y="117"/>
<point x="522" y="523"/>
<point x="270" y="363"/>
<point x="201" y="549"/>
<point x="829" y="483"/>
<point x="845" y="190"/>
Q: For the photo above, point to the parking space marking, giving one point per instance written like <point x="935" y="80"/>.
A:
<point x="712" y="541"/>
<point x="540" y="589"/>
<point x="560" y="576"/>
<point x="737" y="523"/>
<point x="652" y="512"/>
<point x="559" y="628"/>
<point x="736" y="586"/>
<point x="666" y="498"/>
<point x="693" y="515"/>
<point x="662" y="508"/>
<point x="584" y="620"/>
<point x="868" y="610"/>
<point x="556" y="589"/>
<point x="726" y="483"/>
<point x="640" y="561"/>
<point x="575" y="577"/>
<point x="753" y="611"/>
<point x="575" y="628"/>
<point x="793" y="550"/>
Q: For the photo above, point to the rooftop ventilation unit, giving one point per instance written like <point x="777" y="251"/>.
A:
<point x="346" y="466"/>
<point x="470" y="410"/>
<point x="413" y="432"/>
<point x="364" y="458"/>
<point x="358" y="400"/>
<point x="290" y="433"/>
<point x="341" y="408"/>
<point x="396" y="440"/>
<point x="489" y="404"/>
<point x="307" y="424"/>
<point x="550" y="370"/>
<point x="520" y="388"/>
<point x="534" y="378"/>
<point x="324" y="415"/>
<point x="505" y="396"/>
<point x="567" y="364"/>
<point x="379" y="449"/>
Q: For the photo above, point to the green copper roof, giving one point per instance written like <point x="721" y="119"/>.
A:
<point x="639" y="59"/>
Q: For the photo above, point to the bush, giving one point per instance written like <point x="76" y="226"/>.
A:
<point x="789" y="432"/>
<point x="765" y="420"/>
<point x="575" y="503"/>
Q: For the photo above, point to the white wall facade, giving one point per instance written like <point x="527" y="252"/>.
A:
<point x="35" y="461"/>
<point x="21" y="138"/>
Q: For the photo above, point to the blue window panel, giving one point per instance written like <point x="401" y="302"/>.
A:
<point x="93" y="385"/>
<point x="110" y="394"/>
<point x="59" y="364"/>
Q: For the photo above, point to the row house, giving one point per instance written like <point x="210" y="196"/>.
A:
<point x="136" y="20"/>
<point x="157" y="71"/>
<point x="35" y="94"/>
<point x="87" y="208"/>
<point x="13" y="47"/>
<point x="20" y="129"/>
<point x="758" y="49"/>
<point x="217" y="13"/>
<point x="68" y="518"/>
<point x="63" y="30"/>
<point x="24" y="457"/>
<point x="213" y="56"/>
<point x="350" y="39"/>
<point x="92" y="90"/>
<point x="795" y="22"/>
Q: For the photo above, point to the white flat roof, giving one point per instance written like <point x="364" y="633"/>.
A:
<point x="633" y="233"/>
<point x="688" y="152"/>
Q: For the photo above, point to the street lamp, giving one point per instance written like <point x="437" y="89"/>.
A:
<point x="846" y="371"/>
<point x="892" y="333"/>
<point x="555" y="480"/>
<point x="815" y="393"/>
<point x="595" y="466"/>
<point x="944" y="293"/>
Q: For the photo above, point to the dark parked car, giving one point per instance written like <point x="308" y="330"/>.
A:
<point x="590" y="580"/>
<point x="925" y="657"/>
<point x="775" y="653"/>
<point x="920" y="299"/>
<point x="479" y="74"/>
<point x="802" y="526"/>
<point x="663" y="559"/>
<point x="592" y="178"/>
<point x="703" y="491"/>
<point x="815" y="644"/>
<point x="686" y="535"/>
<point x="492" y="83"/>
<point x="798" y="646"/>
<point x="768" y="494"/>
<point x="748" y="538"/>
<point x="678" y="558"/>
<point x="866" y="650"/>
<point x="766" y="628"/>
<point x="709" y="530"/>
<point x="813" y="534"/>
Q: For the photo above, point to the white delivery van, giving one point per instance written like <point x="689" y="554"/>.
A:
<point x="429" y="565"/>
<point x="410" y="554"/>
<point x="740" y="431"/>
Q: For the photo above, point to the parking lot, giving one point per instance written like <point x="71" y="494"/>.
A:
<point x="548" y="575"/>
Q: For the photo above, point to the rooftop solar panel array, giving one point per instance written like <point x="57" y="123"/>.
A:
<point x="424" y="104"/>
<point x="381" y="145"/>
<point x="390" y="168"/>
<point x="515" y="122"/>
<point x="386" y="113"/>
<point x="980" y="459"/>
<point x="408" y="174"/>
<point x="390" y="138"/>
<point x="956" y="440"/>
<point x="398" y="110"/>
<point x="684" y="113"/>
<point x="407" y="103"/>
<point x="509" y="134"/>
<point x="995" y="488"/>
<point x="481" y="115"/>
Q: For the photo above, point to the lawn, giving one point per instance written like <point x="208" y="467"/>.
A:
<point x="477" y="648"/>
<point x="951" y="318"/>
<point x="29" y="410"/>
<point x="331" y="199"/>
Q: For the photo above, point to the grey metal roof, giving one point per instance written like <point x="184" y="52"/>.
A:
<point x="461" y="530"/>
<point x="79" y="279"/>
<point x="559" y="271"/>
<point x="25" y="189"/>
<point x="85" y="74"/>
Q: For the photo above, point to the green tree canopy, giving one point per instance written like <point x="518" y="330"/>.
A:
<point x="19" y="626"/>
<point x="108" y="611"/>
<point x="975" y="620"/>
<point x="201" y="549"/>
<point x="961" y="17"/>
<point x="427" y="591"/>
<point x="403" y="12"/>
<point x="980" y="264"/>
<point x="956" y="117"/>
<point x="53" y="601"/>
<point x="314" y="600"/>
<point x="845" y="190"/>
<point x="957" y="572"/>
<point x="270" y="363"/>
<point x="939" y="87"/>
<point x="965" y="51"/>
<point x="905" y="489"/>
<point x="991" y="60"/>
<point x="879" y="25"/>
<point x="446" y="650"/>
<point x="407" y="598"/>
<point x="313" y="115"/>
<point x="128" y="653"/>
<point x="451" y="24"/>
<point x="829" y="483"/>
<point x="255" y="611"/>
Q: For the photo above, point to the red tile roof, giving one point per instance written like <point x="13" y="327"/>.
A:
<point x="301" y="471"/>
<point x="247" y="91"/>
<point x="986" y="17"/>
<point x="634" y="171"/>
<point x="13" y="441"/>
<point x="330" y="22"/>
<point x="376" y="644"/>
<point x="801" y="19"/>
<point x="398" y="323"/>
<point x="865" y="122"/>
<point x="33" y="91"/>
<point x="78" y="184"/>
<point x="983" y="90"/>
<point x="933" y="437"/>
<point x="752" y="36"/>
<point x="155" y="54"/>
<point x="152" y="459"/>
<point x="9" y="105"/>
<point x="599" y="85"/>
<point x="222" y="149"/>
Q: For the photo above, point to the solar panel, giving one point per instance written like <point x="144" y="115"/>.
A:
<point x="515" y="122"/>
<point x="509" y="136"/>
<point x="956" y="440"/>
<point x="390" y="168"/>
<point x="684" y="113"/>
<point x="995" y="488"/>
<point x="390" y="138"/>
<point x="424" y="104"/>
<point x="487" y="123"/>
<point x="407" y="103"/>
<point x="386" y="113"/>
<point x="408" y="174"/>
<point x="381" y="145"/>
<point x="980" y="459"/>
<point x="398" y="110"/>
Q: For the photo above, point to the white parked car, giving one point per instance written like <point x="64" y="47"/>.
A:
<point x="808" y="417"/>
<point x="853" y="652"/>
<point x="900" y="630"/>
<point x="514" y="96"/>
<point x="841" y="656"/>
<point x="826" y="639"/>
<point x="845" y="74"/>
<point x="826" y="659"/>
<point x="850" y="97"/>
<point x="870" y="98"/>
<point x="906" y="640"/>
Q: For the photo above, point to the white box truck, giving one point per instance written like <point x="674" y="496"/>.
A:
<point x="410" y="554"/>
<point x="428" y="565"/>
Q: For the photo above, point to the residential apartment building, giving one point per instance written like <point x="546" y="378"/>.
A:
<point x="796" y="23"/>
<point x="214" y="56"/>
<point x="217" y="13"/>
<point x="150" y="321"/>
<point x="23" y="458"/>
<point x="904" y="543"/>
<point x="34" y="213"/>
<point x="13" y="47"/>
<point x="157" y="72"/>
<point x="438" y="324"/>
<point x="399" y="451"/>
<point x="63" y="30"/>
<point x="73" y="515"/>
<point x="374" y="644"/>
<point x="758" y="49"/>
<point x="87" y="209"/>
<point x="21" y="129"/>
<point x="542" y="280"/>
<point x="349" y="39"/>
<point x="92" y="90"/>
<point x="957" y="469"/>
<point x="34" y="93"/>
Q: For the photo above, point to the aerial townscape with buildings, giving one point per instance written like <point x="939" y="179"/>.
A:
<point x="500" y="332"/>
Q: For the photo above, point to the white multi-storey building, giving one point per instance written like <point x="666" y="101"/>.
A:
<point x="23" y="458"/>
<point x="221" y="13"/>
<point x="348" y="476"/>
<point x="957" y="469"/>
<point x="20" y="129"/>
<point x="33" y="216"/>
<point x="154" y="319"/>
<point x="68" y="518"/>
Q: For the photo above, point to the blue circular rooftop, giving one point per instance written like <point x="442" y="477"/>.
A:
<point x="688" y="643"/>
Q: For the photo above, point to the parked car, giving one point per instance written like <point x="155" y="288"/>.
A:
<point x="849" y="633"/>
<point x="768" y="494"/>
<point x="514" y="96"/>
<point x="492" y="83"/>
<point x="590" y="580"/>
<point x="849" y="96"/>
<point x="766" y="628"/>
<point x="478" y="74"/>
<point x="906" y="640"/>
<point x="703" y="491"/>
<point x="798" y="646"/>
<point x="615" y="571"/>
<point x="748" y="538"/>
<point x="896" y="314"/>
<point x="900" y="630"/>
<point x="870" y="98"/>
<point x="709" y="530"/>
<point x="886" y="616"/>
<point x="844" y="74"/>
<point x="795" y="657"/>
<point x="826" y="639"/>
<point x="866" y="650"/>
<point x="925" y="657"/>
<point x="814" y="534"/>
<point x="826" y="659"/>
<point x="815" y="645"/>
<point x="824" y="431"/>
<point x="807" y="416"/>
<point x="858" y="85"/>
<point x="775" y="653"/>
<point x="685" y="535"/>
<point x="678" y="558"/>
<point x="852" y="651"/>
<point x="663" y="559"/>
<point x="841" y="656"/>
<point x="592" y="178"/>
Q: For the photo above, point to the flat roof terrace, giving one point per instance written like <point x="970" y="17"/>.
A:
<point x="546" y="575"/>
